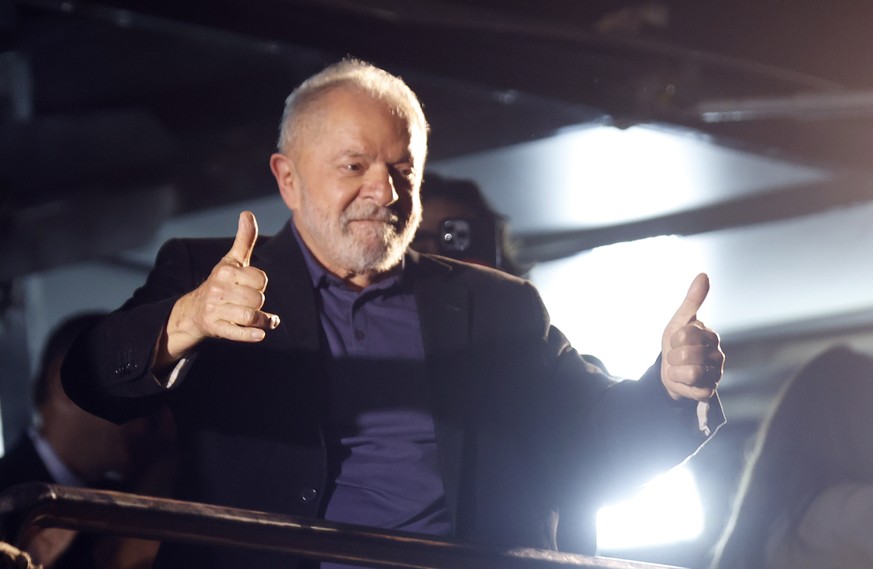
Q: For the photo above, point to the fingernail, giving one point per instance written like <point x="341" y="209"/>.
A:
<point x="274" y="321"/>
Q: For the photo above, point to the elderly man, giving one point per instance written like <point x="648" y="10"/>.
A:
<point x="368" y="383"/>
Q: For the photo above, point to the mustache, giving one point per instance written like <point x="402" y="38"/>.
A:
<point x="368" y="211"/>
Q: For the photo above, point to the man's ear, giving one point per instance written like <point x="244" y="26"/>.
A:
<point x="283" y="170"/>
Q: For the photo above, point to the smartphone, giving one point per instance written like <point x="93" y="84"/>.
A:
<point x="469" y="240"/>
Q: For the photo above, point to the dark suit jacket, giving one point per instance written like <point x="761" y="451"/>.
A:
<point x="523" y="423"/>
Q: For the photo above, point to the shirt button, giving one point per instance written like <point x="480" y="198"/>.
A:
<point x="308" y="494"/>
<point x="359" y="335"/>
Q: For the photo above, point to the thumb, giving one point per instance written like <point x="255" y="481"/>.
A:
<point x="687" y="311"/>
<point x="246" y="235"/>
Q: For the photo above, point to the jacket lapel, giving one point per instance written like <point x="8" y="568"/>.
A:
<point x="289" y="292"/>
<point x="444" y="310"/>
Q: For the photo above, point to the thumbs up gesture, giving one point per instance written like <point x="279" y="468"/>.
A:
<point x="227" y="305"/>
<point x="691" y="358"/>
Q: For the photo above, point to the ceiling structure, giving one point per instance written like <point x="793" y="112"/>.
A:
<point x="110" y="105"/>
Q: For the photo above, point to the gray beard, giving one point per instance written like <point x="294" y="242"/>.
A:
<point x="379" y="251"/>
<point x="389" y="250"/>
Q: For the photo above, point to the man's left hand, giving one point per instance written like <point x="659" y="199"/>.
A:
<point x="691" y="358"/>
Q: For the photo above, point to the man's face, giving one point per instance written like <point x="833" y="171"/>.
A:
<point x="354" y="186"/>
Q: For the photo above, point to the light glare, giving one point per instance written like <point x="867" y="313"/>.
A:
<point x="615" y="301"/>
<point x="667" y="510"/>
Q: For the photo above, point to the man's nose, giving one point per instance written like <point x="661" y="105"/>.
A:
<point x="379" y="186"/>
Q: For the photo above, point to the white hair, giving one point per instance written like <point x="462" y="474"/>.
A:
<point x="353" y="74"/>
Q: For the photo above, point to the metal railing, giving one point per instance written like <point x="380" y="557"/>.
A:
<point x="117" y="513"/>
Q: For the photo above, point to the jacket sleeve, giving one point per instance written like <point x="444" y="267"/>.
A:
<point x="108" y="371"/>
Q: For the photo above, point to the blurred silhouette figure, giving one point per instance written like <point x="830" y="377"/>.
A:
<point x="457" y="222"/>
<point x="806" y="496"/>
<point x="69" y="446"/>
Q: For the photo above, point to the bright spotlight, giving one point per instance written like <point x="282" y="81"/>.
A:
<point x="666" y="510"/>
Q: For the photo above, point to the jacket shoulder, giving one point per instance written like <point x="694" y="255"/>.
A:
<point x="465" y="271"/>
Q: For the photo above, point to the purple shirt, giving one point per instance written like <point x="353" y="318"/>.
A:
<point x="380" y="437"/>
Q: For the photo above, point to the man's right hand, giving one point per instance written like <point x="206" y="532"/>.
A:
<point x="227" y="305"/>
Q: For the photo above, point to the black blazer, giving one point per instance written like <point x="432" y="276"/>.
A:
<point x="524" y="425"/>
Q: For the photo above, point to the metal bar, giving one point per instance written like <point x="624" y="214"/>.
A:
<point x="50" y="505"/>
<point x="838" y="191"/>
<point x="803" y="106"/>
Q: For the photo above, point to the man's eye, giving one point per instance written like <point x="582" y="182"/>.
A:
<point x="353" y="167"/>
